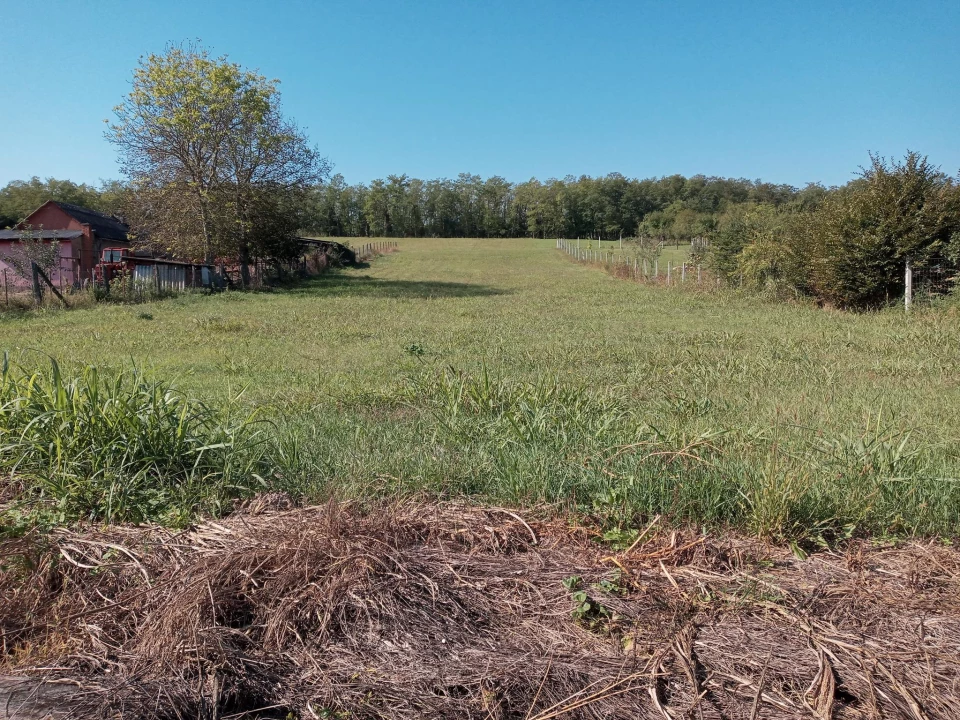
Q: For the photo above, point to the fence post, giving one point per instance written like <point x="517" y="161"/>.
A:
<point x="669" y="270"/>
<point x="698" y="274"/>
<point x="683" y="273"/>
<point x="39" y="274"/>
<point x="6" y="289"/>
<point x="37" y="290"/>
<point x="656" y="269"/>
<point x="908" y="286"/>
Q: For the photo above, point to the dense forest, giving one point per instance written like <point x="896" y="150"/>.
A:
<point x="608" y="207"/>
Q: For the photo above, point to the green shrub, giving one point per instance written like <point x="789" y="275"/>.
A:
<point x="860" y="238"/>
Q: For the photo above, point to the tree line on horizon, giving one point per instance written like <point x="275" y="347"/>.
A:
<point x="609" y="207"/>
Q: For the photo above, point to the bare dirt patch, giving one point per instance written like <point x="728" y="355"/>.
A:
<point x="446" y="611"/>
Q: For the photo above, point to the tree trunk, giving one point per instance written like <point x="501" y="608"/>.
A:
<point x="207" y="250"/>
<point x="37" y="290"/>
<point x="244" y="259"/>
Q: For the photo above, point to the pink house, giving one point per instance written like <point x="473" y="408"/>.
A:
<point x="82" y="234"/>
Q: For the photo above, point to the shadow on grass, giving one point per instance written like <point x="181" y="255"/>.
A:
<point x="366" y="286"/>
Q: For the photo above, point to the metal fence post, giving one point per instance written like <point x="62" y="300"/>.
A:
<point x="908" y="286"/>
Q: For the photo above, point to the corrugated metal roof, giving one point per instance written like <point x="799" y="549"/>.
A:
<point x="44" y="234"/>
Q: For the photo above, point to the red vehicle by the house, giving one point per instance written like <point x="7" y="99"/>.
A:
<point x="114" y="262"/>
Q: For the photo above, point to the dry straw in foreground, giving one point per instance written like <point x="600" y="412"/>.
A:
<point x="445" y="611"/>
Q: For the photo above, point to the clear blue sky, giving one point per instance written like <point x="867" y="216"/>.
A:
<point x="785" y="91"/>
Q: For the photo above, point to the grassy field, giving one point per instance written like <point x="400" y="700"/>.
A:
<point x="502" y="370"/>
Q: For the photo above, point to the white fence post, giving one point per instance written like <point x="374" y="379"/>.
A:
<point x="908" y="286"/>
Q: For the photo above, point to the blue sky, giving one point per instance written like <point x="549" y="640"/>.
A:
<point x="784" y="91"/>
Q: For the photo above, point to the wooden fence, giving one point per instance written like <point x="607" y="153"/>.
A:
<point x="369" y="250"/>
<point x="641" y="269"/>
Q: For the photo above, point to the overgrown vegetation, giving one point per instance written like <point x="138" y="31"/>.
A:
<point x="851" y="249"/>
<point x="118" y="446"/>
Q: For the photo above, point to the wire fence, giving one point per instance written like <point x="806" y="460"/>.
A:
<point x="641" y="269"/>
<point x="372" y="249"/>
<point x="934" y="280"/>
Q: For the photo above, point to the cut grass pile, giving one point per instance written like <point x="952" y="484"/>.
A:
<point x="445" y="611"/>
<point x="502" y="371"/>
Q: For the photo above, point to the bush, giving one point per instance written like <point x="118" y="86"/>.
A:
<point x="860" y="238"/>
<point x="754" y="247"/>
<point x="120" y="447"/>
<point x="846" y="247"/>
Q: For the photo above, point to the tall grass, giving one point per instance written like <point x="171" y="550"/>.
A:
<point x="120" y="446"/>
<point x="452" y="433"/>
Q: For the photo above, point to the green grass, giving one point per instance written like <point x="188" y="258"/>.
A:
<point x="122" y="446"/>
<point x="502" y="370"/>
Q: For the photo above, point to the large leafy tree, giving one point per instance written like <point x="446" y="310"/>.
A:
<point x="206" y="149"/>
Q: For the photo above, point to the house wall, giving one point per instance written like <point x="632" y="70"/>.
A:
<point x="51" y="217"/>
<point x="62" y="276"/>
